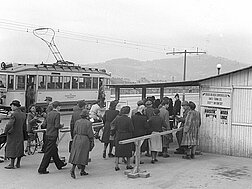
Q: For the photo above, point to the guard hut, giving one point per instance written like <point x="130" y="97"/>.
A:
<point x="226" y="111"/>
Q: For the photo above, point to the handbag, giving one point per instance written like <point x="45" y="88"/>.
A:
<point x="70" y="146"/>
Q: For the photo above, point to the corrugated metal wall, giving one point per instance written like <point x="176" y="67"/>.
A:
<point x="242" y="122"/>
<point x="241" y="78"/>
<point x="215" y="135"/>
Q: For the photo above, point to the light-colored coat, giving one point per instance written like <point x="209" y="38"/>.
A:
<point x="83" y="136"/>
<point x="164" y="114"/>
<point x="191" y="129"/>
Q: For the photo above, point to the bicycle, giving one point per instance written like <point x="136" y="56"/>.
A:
<point x="33" y="142"/>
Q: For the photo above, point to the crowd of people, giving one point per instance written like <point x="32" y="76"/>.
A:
<point x="150" y="117"/>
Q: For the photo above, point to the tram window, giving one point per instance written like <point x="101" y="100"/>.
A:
<point x="42" y="82"/>
<point x="106" y="82"/>
<point x="82" y="83"/>
<point x="74" y="82"/>
<point x="95" y="83"/>
<point x="11" y="82"/>
<point x="2" y="81"/>
<point x="20" y="80"/>
<point x="88" y="82"/>
<point x="67" y="82"/>
<point x="55" y="82"/>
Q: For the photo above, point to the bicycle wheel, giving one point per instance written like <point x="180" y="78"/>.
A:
<point x="32" y="146"/>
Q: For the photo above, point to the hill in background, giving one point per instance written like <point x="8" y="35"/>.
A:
<point x="170" y="69"/>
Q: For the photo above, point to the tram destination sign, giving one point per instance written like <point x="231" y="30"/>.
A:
<point x="216" y="99"/>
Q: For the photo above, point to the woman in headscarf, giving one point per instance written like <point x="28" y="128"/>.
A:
<point x="83" y="142"/>
<point x="191" y="131"/>
<point x="108" y="117"/>
<point x="123" y="128"/>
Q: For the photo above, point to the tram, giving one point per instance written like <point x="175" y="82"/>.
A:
<point x="64" y="82"/>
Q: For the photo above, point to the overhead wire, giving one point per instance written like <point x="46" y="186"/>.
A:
<point x="148" y="47"/>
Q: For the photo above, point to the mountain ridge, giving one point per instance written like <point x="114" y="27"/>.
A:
<point x="169" y="69"/>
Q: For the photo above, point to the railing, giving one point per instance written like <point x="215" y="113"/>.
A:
<point x="138" y="142"/>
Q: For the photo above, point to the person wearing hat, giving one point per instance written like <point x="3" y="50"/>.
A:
<point x="166" y="139"/>
<point x="191" y="131"/>
<point x="139" y="103"/>
<point x="76" y="115"/>
<point x="52" y="132"/>
<point x="148" y="112"/>
<point x="123" y="128"/>
<point x="156" y="125"/>
<point x="108" y="117"/>
<point x="43" y="125"/>
<point x="15" y="138"/>
<point x="83" y="143"/>
<point x="179" y="134"/>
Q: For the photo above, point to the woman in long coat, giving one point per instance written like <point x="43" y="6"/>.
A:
<point x="15" y="138"/>
<point x="108" y="117"/>
<point x="191" y="131"/>
<point x="83" y="142"/>
<point x="139" y="121"/>
<point x="123" y="128"/>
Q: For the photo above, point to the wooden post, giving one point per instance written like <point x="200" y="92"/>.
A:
<point x="161" y="93"/>
<point x="143" y="92"/>
<point x="117" y="93"/>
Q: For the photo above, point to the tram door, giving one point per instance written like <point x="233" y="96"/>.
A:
<point x="30" y="97"/>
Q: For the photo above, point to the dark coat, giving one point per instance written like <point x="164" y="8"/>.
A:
<point x="149" y="112"/>
<point x="108" y="117"/>
<point x="15" y="139"/>
<point x="52" y="123"/>
<point x="139" y="122"/>
<point x="156" y="124"/>
<point x="83" y="137"/>
<point x="74" y="118"/>
<point x="177" y="107"/>
<point x="124" y="130"/>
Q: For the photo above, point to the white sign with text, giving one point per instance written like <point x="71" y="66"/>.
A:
<point x="216" y="99"/>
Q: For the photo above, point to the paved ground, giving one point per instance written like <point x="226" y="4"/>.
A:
<point x="206" y="171"/>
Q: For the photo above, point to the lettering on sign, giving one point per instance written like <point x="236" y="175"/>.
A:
<point x="70" y="95"/>
<point x="216" y="99"/>
<point x="211" y="113"/>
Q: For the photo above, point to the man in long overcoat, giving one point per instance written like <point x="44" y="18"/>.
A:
<point x="15" y="138"/>
<point x="164" y="114"/>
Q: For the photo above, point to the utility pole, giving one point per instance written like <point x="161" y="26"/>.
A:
<point x="185" y="53"/>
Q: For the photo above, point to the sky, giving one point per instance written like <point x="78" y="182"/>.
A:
<point x="93" y="31"/>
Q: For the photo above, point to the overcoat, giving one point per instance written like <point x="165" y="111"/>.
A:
<point x="74" y="118"/>
<point x="14" y="130"/>
<point x="108" y="117"/>
<point x="191" y="129"/>
<point x="83" y="137"/>
<point x="139" y="122"/>
<point x="164" y="114"/>
<point x="123" y="127"/>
